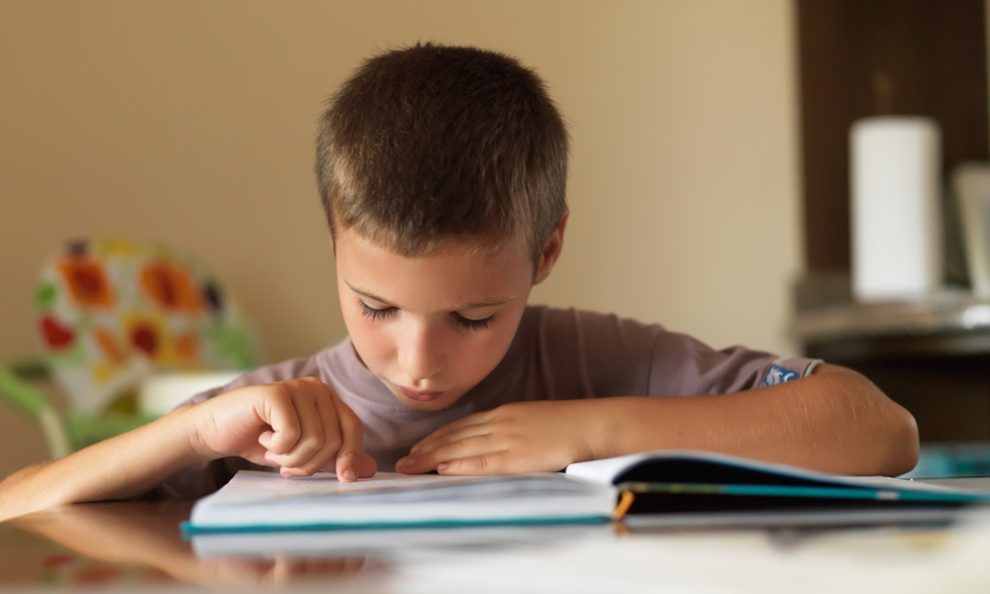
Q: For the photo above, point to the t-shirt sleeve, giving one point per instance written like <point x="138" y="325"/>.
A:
<point x="593" y="355"/>
<point x="683" y="365"/>
<point x="204" y="478"/>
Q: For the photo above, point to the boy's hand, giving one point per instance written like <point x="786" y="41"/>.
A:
<point x="516" y="437"/>
<point x="299" y="425"/>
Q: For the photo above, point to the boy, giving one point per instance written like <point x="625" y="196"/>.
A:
<point x="442" y="172"/>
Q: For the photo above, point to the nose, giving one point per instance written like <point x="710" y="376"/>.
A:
<point x="420" y="353"/>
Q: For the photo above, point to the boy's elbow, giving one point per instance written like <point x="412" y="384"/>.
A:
<point x="902" y="445"/>
<point x="889" y="435"/>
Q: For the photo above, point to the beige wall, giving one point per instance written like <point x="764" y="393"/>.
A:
<point x="192" y="122"/>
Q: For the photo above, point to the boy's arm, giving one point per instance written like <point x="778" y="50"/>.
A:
<point x="120" y="467"/>
<point x="834" y="420"/>
<point x="299" y="425"/>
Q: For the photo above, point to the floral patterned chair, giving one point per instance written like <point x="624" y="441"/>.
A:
<point x="110" y="314"/>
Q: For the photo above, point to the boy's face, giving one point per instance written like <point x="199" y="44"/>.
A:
<point x="431" y="327"/>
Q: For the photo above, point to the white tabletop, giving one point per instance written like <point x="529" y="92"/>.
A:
<point x="136" y="547"/>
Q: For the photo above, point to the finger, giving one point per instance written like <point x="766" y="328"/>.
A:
<point x="478" y="445"/>
<point x="425" y="447"/>
<point x="490" y="463"/>
<point x="325" y="457"/>
<point x="482" y="418"/>
<point x="332" y="440"/>
<point x="278" y="411"/>
<point x="311" y="438"/>
<point x="256" y="455"/>
<point x="352" y="441"/>
<point x="365" y="464"/>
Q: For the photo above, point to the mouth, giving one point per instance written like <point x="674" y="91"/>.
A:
<point x="420" y="396"/>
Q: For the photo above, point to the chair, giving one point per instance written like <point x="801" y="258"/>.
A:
<point x="111" y="313"/>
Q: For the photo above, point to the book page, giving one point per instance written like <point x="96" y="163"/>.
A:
<point x="253" y="485"/>
<point x="250" y="486"/>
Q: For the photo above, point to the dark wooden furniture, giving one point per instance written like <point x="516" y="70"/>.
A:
<point x="932" y="356"/>
<point x="859" y="58"/>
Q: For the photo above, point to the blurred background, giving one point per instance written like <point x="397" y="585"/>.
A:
<point x="697" y="197"/>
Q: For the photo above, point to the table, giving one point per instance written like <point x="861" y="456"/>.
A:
<point x="136" y="547"/>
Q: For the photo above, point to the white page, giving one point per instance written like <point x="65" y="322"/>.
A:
<point x="251" y="486"/>
<point x="264" y="498"/>
<point x="256" y="485"/>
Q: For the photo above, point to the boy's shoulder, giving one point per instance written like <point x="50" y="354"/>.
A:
<point x="572" y="324"/>
<point x="571" y="338"/>
<point x="613" y="349"/>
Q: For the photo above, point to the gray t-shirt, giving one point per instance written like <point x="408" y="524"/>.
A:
<point x="557" y="354"/>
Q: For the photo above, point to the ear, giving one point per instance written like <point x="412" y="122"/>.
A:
<point x="551" y="250"/>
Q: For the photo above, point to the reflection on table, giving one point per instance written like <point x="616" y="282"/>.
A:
<point x="140" y="542"/>
<point x="138" y="546"/>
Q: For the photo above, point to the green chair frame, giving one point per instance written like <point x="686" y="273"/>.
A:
<point x="63" y="432"/>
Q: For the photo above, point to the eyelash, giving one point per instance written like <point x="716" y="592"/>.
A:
<point x="468" y="324"/>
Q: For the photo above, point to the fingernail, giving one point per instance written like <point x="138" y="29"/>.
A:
<point x="349" y="475"/>
<point x="442" y="466"/>
<point x="407" y="461"/>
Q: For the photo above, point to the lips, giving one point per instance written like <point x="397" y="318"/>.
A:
<point x="420" y="396"/>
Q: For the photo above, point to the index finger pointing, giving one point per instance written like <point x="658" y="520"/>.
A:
<point x="351" y="459"/>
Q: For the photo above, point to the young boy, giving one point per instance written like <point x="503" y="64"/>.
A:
<point x="442" y="172"/>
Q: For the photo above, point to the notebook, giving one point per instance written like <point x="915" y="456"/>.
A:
<point x="669" y="484"/>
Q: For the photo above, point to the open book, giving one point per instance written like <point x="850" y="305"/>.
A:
<point x="669" y="483"/>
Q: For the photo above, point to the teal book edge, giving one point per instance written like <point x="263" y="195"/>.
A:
<point x="190" y="529"/>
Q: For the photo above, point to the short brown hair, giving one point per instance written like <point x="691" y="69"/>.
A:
<point x="431" y="143"/>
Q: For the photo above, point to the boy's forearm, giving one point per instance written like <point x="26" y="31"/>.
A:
<point x="833" y="421"/>
<point x="117" y="468"/>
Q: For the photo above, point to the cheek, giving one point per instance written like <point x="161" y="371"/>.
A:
<point x="370" y="339"/>
<point x="485" y="351"/>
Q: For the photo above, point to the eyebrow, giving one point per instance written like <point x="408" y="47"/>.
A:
<point x="473" y="305"/>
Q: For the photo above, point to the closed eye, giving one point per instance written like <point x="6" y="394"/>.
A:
<point x="375" y="313"/>
<point x="470" y="324"/>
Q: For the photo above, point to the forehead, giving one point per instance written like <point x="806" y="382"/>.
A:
<point x="454" y="274"/>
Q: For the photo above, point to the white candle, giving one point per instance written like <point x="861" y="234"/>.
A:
<point x="895" y="164"/>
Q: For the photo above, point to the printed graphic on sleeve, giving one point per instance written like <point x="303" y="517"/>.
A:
<point x="779" y="375"/>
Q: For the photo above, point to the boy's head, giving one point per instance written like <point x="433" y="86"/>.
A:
<point x="442" y="172"/>
<point x="429" y="144"/>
